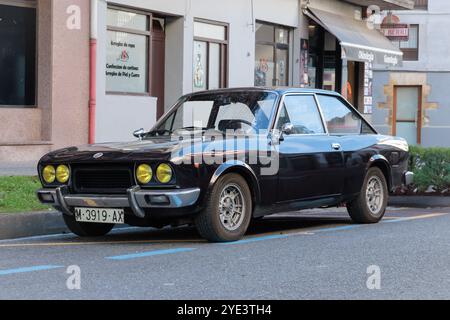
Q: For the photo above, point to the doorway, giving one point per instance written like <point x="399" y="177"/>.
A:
<point x="158" y="53"/>
<point x="408" y="113"/>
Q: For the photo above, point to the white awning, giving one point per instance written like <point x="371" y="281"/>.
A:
<point x="358" y="41"/>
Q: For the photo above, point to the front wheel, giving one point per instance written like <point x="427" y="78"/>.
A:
<point x="370" y="206"/>
<point x="83" y="229"/>
<point x="228" y="210"/>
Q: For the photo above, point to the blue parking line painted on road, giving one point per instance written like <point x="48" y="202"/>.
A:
<point x="256" y="239"/>
<point x="28" y="269"/>
<point x="343" y="228"/>
<point x="149" y="254"/>
<point x="397" y="220"/>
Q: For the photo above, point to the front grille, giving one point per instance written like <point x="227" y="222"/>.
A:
<point x="102" y="180"/>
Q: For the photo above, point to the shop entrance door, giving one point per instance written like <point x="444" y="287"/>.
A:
<point x="407" y="113"/>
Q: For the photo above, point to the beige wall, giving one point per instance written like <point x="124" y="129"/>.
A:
<point x="70" y="76"/>
<point x="61" y="115"/>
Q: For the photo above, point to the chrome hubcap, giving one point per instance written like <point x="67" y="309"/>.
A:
<point x="231" y="207"/>
<point x="375" y="195"/>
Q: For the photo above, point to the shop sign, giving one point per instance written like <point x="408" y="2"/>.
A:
<point x="368" y="88"/>
<point x="304" y="55"/>
<point x="126" y="63"/>
<point x="395" y="31"/>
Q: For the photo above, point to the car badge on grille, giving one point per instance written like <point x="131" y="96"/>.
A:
<point x="98" y="155"/>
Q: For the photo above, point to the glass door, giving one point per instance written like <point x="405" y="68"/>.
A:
<point x="407" y="111"/>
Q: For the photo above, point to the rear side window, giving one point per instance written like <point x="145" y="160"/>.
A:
<point x="339" y="118"/>
<point x="302" y="112"/>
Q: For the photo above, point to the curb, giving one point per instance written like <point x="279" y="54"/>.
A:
<point x="419" y="201"/>
<point x="21" y="225"/>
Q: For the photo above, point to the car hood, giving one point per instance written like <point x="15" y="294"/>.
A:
<point x="160" y="148"/>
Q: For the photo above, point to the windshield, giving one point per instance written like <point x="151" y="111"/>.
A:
<point x="248" y="112"/>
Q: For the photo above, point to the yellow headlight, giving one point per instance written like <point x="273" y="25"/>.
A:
<point x="49" y="174"/>
<point x="144" y="174"/>
<point x="62" y="174"/>
<point x="164" y="173"/>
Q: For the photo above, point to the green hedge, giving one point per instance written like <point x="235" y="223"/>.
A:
<point x="431" y="167"/>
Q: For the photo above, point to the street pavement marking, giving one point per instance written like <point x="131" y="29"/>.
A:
<point x="149" y="254"/>
<point x="64" y="235"/>
<point x="256" y="239"/>
<point x="329" y="229"/>
<point x="27" y="269"/>
<point x="424" y="216"/>
<point x="250" y="239"/>
<point x="68" y="244"/>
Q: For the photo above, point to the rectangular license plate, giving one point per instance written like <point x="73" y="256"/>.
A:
<point x="97" y="215"/>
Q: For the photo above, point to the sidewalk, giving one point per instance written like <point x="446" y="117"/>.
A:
<point x="26" y="168"/>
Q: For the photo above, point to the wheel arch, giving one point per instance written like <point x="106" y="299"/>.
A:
<point x="380" y="162"/>
<point x="244" y="170"/>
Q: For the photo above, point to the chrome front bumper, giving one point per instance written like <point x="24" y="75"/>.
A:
<point x="137" y="199"/>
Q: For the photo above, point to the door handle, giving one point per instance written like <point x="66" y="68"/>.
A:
<point x="336" y="146"/>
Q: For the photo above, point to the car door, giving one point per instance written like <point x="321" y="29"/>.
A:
<point x="311" y="161"/>
<point x="354" y="135"/>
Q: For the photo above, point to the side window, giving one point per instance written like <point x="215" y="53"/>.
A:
<point x="302" y="112"/>
<point x="339" y="118"/>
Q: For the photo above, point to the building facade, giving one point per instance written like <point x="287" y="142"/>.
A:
<point x="44" y="77"/>
<point x="94" y="71"/>
<point x="412" y="101"/>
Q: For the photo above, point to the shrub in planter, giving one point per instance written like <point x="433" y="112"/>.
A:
<point x="431" y="167"/>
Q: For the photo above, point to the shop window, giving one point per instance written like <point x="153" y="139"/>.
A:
<point x="271" y="55"/>
<point x="210" y="55"/>
<point x="17" y="56"/>
<point x="410" y="48"/>
<point x="127" y="52"/>
<point x="324" y="59"/>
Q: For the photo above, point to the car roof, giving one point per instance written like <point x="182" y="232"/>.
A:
<point x="279" y="90"/>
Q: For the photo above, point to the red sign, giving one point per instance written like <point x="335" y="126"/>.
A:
<point x="396" y="32"/>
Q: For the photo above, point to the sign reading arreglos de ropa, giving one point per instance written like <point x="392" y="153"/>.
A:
<point x="126" y="63"/>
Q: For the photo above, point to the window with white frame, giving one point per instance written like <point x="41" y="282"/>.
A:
<point x="210" y="55"/>
<point x="127" y="52"/>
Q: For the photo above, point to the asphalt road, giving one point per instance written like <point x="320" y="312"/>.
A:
<point x="313" y="255"/>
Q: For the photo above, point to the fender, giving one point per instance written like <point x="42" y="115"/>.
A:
<point x="239" y="167"/>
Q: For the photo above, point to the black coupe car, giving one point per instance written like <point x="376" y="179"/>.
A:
<point x="219" y="159"/>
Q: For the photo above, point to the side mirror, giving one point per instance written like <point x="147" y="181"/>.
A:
<point x="287" y="128"/>
<point x="139" y="133"/>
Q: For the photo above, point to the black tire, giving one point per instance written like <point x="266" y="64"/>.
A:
<point x="209" y="222"/>
<point x="87" y="229"/>
<point x="360" y="209"/>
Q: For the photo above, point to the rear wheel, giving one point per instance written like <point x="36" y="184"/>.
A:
<point x="228" y="210"/>
<point x="370" y="206"/>
<point x="83" y="229"/>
